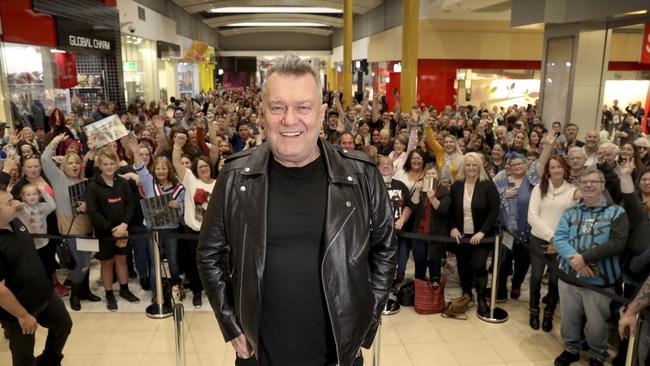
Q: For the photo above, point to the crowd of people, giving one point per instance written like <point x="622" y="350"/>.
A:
<point x="561" y="205"/>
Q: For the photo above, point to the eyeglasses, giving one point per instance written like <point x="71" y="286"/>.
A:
<point x="590" y="182"/>
<point x="512" y="165"/>
<point x="642" y="147"/>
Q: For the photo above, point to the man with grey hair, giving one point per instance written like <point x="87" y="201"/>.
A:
<point x="588" y="240"/>
<point x="297" y="252"/>
<point x="592" y="139"/>
<point x="576" y="159"/>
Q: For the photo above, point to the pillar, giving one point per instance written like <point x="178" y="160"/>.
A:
<point x="410" y="33"/>
<point x="347" y="53"/>
<point x="574" y="68"/>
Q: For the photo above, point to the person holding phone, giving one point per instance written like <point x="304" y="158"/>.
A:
<point x="430" y="204"/>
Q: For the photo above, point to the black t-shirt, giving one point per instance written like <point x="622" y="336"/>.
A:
<point x="295" y="328"/>
<point x="22" y="270"/>
<point x="399" y="196"/>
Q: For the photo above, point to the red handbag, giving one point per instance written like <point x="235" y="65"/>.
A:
<point x="429" y="300"/>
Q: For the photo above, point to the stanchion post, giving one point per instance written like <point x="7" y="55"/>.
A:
<point x="160" y="309"/>
<point x="179" y="317"/>
<point x="496" y="315"/>
<point x="632" y="343"/>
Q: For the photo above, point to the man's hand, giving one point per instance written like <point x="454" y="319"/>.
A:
<point x="242" y="347"/>
<point x="577" y="262"/>
<point x="627" y="325"/>
<point x="120" y="230"/>
<point x="28" y="324"/>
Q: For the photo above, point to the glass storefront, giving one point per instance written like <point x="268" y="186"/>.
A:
<point x="30" y="84"/>
<point x="187" y="79"/>
<point x="139" y="64"/>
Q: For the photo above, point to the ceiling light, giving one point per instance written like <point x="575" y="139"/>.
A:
<point x="640" y="12"/>
<point x="276" y="9"/>
<point x="276" y="24"/>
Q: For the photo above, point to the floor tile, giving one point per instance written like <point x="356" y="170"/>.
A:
<point x="474" y="352"/>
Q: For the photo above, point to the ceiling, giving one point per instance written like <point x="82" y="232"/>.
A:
<point x="429" y="9"/>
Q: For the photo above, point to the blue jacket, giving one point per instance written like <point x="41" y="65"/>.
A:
<point x="599" y="234"/>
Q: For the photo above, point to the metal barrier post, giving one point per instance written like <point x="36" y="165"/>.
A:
<point x="160" y="309"/>
<point x="179" y="315"/>
<point x="632" y="343"/>
<point x="376" y="347"/>
<point x="497" y="315"/>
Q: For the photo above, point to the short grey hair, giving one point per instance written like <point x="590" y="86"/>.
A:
<point x="578" y="149"/>
<point x="291" y="64"/>
<point x="609" y="146"/>
<point x="592" y="170"/>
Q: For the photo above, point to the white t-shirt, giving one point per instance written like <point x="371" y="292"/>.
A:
<point x="197" y="196"/>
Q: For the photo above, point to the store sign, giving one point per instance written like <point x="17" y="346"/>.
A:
<point x="66" y="68"/>
<point x="83" y="35"/>
<point x="645" y="51"/>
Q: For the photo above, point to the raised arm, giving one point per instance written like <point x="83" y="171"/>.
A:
<point x="549" y="140"/>
<point x="49" y="167"/>
<point x="179" y="141"/>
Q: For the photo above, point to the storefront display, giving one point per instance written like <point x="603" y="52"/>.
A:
<point x="139" y="64"/>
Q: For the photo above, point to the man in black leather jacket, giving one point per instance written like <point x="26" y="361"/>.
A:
<point x="297" y="251"/>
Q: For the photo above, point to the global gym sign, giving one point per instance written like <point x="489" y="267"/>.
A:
<point x="87" y="42"/>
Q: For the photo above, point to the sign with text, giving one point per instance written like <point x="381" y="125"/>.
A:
<point x="66" y="70"/>
<point x="81" y="35"/>
<point x="105" y="131"/>
<point x="645" y="51"/>
<point x="157" y="212"/>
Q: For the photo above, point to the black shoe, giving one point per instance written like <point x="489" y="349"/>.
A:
<point x="594" y="362"/>
<point x="515" y="292"/>
<point x="534" y="319"/>
<point x="547" y="323"/>
<point x="502" y="297"/>
<point x="566" y="358"/>
<point x="398" y="278"/>
<point x="75" y="304"/>
<point x="197" y="301"/>
<point x="111" y="303"/>
<point x="483" y="309"/>
<point x="40" y="360"/>
<point x="127" y="295"/>
<point x="145" y="283"/>
<point x="89" y="296"/>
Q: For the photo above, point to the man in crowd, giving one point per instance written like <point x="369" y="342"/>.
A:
<point x="570" y="138"/>
<point x="298" y="219"/>
<point x="592" y="139"/>
<point x="588" y="240"/>
<point x="27" y="297"/>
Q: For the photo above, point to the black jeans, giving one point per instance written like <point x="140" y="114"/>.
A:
<point x="472" y="262"/>
<point x="538" y="262"/>
<point x="58" y="323"/>
<point x="521" y="258"/>
<point x="253" y="362"/>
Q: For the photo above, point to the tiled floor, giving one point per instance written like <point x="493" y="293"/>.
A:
<point x="129" y="338"/>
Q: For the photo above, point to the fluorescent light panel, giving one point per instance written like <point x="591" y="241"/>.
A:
<point x="276" y="9"/>
<point x="276" y="24"/>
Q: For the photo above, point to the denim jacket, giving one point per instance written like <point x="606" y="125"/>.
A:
<point x="514" y="210"/>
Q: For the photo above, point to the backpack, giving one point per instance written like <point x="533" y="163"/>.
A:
<point x="406" y="294"/>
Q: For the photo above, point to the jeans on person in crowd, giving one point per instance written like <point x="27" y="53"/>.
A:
<point x="168" y="246"/>
<point x="82" y="261"/>
<point x="435" y="255"/>
<point x="521" y="258"/>
<point x="141" y="254"/>
<point x="538" y="262"/>
<point x="472" y="262"/>
<point x="188" y="250"/>
<point x="404" y="249"/>
<point x="58" y="323"/>
<point x="576" y="302"/>
<point x="420" y="249"/>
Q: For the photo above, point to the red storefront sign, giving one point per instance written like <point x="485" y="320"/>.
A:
<point x="66" y="68"/>
<point x="645" y="51"/>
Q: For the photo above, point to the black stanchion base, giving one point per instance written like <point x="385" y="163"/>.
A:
<point x="156" y="311"/>
<point x="498" y="316"/>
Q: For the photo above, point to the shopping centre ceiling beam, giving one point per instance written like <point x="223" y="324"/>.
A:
<point x="197" y="6"/>
<point x="247" y="30"/>
<point x="225" y="20"/>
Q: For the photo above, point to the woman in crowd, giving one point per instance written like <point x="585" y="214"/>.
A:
<point x="519" y="143"/>
<point x="448" y="155"/>
<point x="198" y="182"/>
<point x="162" y="182"/>
<point x="430" y="205"/>
<point x="497" y="161"/>
<point x="110" y="205"/>
<point x="71" y="220"/>
<point x="629" y="151"/>
<point x="534" y="141"/>
<point x="474" y="213"/>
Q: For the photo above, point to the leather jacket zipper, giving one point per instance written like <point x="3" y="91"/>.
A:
<point x="327" y="299"/>
<point x="355" y="257"/>
<point x="241" y="276"/>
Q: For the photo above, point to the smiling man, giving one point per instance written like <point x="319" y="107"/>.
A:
<point x="297" y="252"/>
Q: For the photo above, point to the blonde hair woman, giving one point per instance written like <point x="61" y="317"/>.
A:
<point x="474" y="212"/>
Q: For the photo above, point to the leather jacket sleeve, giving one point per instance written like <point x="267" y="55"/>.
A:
<point x="213" y="254"/>
<point x="383" y="248"/>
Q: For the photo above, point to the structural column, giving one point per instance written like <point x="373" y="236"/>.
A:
<point x="347" y="53"/>
<point x="574" y="68"/>
<point x="410" y="34"/>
